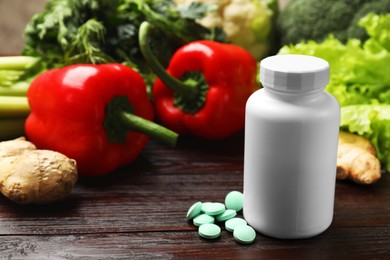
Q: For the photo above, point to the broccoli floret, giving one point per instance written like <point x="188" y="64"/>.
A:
<point x="303" y="20"/>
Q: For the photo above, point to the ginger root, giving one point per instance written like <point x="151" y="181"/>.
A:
<point x="356" y="159"/>
<point x="28" y="175"/>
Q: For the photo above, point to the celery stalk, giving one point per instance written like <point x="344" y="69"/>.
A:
<point x="15" y="68"/>
<point x="17" y="62"/>
<point x="8" y="76"/>
<point x="18" y="89"/>
<point x="11" y="106"/>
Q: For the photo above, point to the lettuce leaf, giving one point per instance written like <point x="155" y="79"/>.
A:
<point x="360" y="80"/>
<point x="359" y="73"/>
<point x="373" y="122"/>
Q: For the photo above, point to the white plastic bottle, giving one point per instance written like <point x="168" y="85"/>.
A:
<point x="291" y="137"/>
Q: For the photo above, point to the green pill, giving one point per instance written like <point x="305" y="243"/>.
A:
<point x="209" y="231"/>
<point x="234" y="200"/>
<point x="214" y="208"/>
<point x="205" y="205"/>
<point x="226" y="215"/>
<point x="203" y="219"/>
<point x="244" y="234"/>
<point x="231" y="224"/>
<point x="194" y="210"/>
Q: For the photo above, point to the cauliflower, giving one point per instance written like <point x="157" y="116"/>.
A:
<point x="247" y="23"/>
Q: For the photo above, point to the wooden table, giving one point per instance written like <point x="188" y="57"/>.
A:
<point x="139" y="212"/>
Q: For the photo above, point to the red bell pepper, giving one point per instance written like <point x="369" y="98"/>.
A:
<point x="95" y="114"/>
<point x="207" y="89"/>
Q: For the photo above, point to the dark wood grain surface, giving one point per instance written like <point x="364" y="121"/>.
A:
<point x="139" y="212"/>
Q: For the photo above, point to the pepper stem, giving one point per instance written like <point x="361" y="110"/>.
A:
<point x="185" y="91"/>
<point x="149" y="128"/>
<point x="120" y="119"/>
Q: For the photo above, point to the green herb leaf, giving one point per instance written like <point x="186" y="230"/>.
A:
<point x="195" y="10"/>
<point x="101" y="31"/>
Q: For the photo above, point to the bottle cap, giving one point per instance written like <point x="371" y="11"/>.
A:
<point x="294" y="73"/>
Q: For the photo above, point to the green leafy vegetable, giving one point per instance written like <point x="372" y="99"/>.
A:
<point x="100" y="31"/>
<point x="360" y="80"/>
<point x="195" y="10"/>
<point x="303" y="20"/>
<point x="373" y="122"/>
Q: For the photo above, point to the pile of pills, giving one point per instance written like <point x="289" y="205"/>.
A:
<point x="205" y="215"/>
